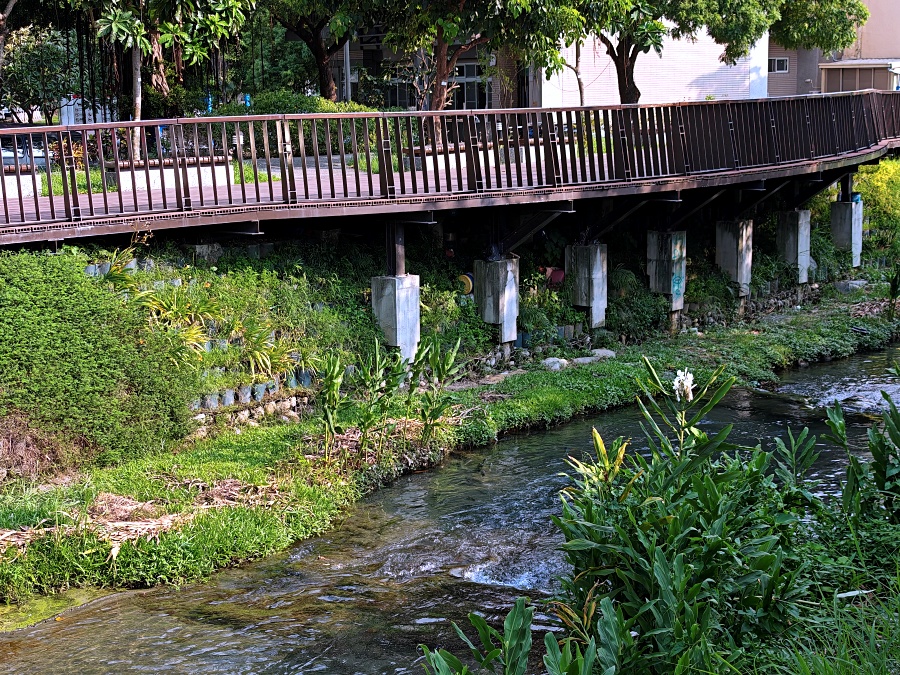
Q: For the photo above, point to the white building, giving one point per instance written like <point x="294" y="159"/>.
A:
<point x="686" y="71"/>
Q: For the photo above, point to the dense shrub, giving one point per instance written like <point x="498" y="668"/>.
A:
<point x="285" y="102"/>
<point x="638" y="315"/>
<point x="75" y="359"/>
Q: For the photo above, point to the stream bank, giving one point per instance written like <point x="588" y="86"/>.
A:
<point x="405" y="561"/>
<point x="233" y="498"/>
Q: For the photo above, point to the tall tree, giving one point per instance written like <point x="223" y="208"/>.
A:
<point x="451" y="29"/>
<point x="735" y="24"/>
<point x="325" y="26"/>
<point x="34" y="76"/>
<point x="591" y="15"/>
<point x="5" y="27"/>
<point x="195" y="27"/>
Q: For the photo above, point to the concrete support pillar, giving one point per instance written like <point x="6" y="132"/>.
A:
<point x="667" y="265"/>
<point x="792" y="241"/>
<point x="395" y="248"/>
<point x="734" y="251"/>
<point x="847" y="228"/>
<point x="497" y="294"/>
<point x="586" y="266"/>
<point x="395" y="302"/>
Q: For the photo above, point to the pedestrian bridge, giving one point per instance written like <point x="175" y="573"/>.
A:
<point x="62" y="182"/>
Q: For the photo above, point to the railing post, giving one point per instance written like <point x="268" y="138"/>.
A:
<point x="809" y="131"/>
<point x="182" y="186"/>
<point x="683" y="140"/>
<point x="286" y="162"/>
<point x="775" y="154"/>
<point x="834" y="127"/>
<point x="551" y="156"/>
<point x="474" y="175"/>
<point x="736" y="160"/>
<point x="69" y="182"/>
<point x="385" y="165"/>
<point x="623" y="143"/>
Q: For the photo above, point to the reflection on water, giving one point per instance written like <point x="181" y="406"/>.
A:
<point x="432" y="547"/>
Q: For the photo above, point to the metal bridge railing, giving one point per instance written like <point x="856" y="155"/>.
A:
<point x="92" y="173"/>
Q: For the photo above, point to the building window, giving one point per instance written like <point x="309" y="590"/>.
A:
<point x="472" y="89"/>
<point x="779" y="65"/>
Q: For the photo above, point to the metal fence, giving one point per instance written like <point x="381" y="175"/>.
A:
<point x="91" y="173"/>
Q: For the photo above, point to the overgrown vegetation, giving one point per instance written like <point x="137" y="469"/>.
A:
<point x="711" y="557"/>
<point x="77" y="362"/>
<point x="98" y="374"/>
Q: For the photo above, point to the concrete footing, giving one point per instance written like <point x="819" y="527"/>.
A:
<point x="792" y="241"/>
<point x="586" y="266"/>
<point x="497" y="294"/>
<point x="395" y="303"/>
<point x="734" y="251"/>
<point x="847" y="228"/>
<point x="30" y="184"/>
<point x="667" y="265"/>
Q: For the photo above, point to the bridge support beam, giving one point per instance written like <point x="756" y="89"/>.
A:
<point x="792" y="241"/>
<point x="395" y="303"/>
<point x="395" y="297"/>
<point x="586" y="265"/>
<point x="667" y="267"/>
<point x="497" y="294"/>
<point x="734" y="251"/>
<point x="847" y="227"/>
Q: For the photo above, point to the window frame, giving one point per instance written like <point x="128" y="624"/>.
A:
<point x="775" y="61"/>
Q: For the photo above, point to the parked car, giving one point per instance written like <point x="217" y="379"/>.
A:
<point x="37" y="157"/>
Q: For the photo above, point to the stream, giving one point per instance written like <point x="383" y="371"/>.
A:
<point x="471" y="535"/>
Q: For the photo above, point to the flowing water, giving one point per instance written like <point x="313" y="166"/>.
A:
<point x="472" y="535"/>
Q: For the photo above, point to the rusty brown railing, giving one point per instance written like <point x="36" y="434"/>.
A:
<point x="90" y="173"/>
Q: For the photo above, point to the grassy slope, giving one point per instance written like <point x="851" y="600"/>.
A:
<point x="310" y="497"/>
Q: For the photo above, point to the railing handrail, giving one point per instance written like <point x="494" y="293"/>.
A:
<point x="274" y="117"/>
<point x="113" y="171"/>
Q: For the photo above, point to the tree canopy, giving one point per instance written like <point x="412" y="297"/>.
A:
<point x="34" y="76"/>
<point x="449" y="29"/>
<point x="737" y="25"/>
<point x="325" y="26"/>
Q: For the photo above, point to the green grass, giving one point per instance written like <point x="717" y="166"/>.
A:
<point x="262" y="175"/>
<point x="274" y="455"/>
<point x="80" y="182"/>
<point x="214" y="538"/>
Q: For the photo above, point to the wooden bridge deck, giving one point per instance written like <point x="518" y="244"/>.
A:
<point x="160" y="174"/>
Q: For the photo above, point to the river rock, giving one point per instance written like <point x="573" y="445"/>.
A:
<point x="554" y="363"/>
<point x="849" y="286"/>
<point x="242" y="416"/>
<point x="270" y="408"/>
<point x="585" y="360"/>
<point x="603" y="353"/>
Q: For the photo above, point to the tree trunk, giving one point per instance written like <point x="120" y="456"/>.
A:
<point x="327" y="87"/>
<point x="442" y="66"/>
<point x="158" y="77"/>
<point x="577" y="70"/>
<point x="625" y="59"/>
<point x="136" y="96"/>
<point x="178" y="61"/>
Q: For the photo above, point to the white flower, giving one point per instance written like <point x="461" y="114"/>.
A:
<point x="684" y="385"/>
